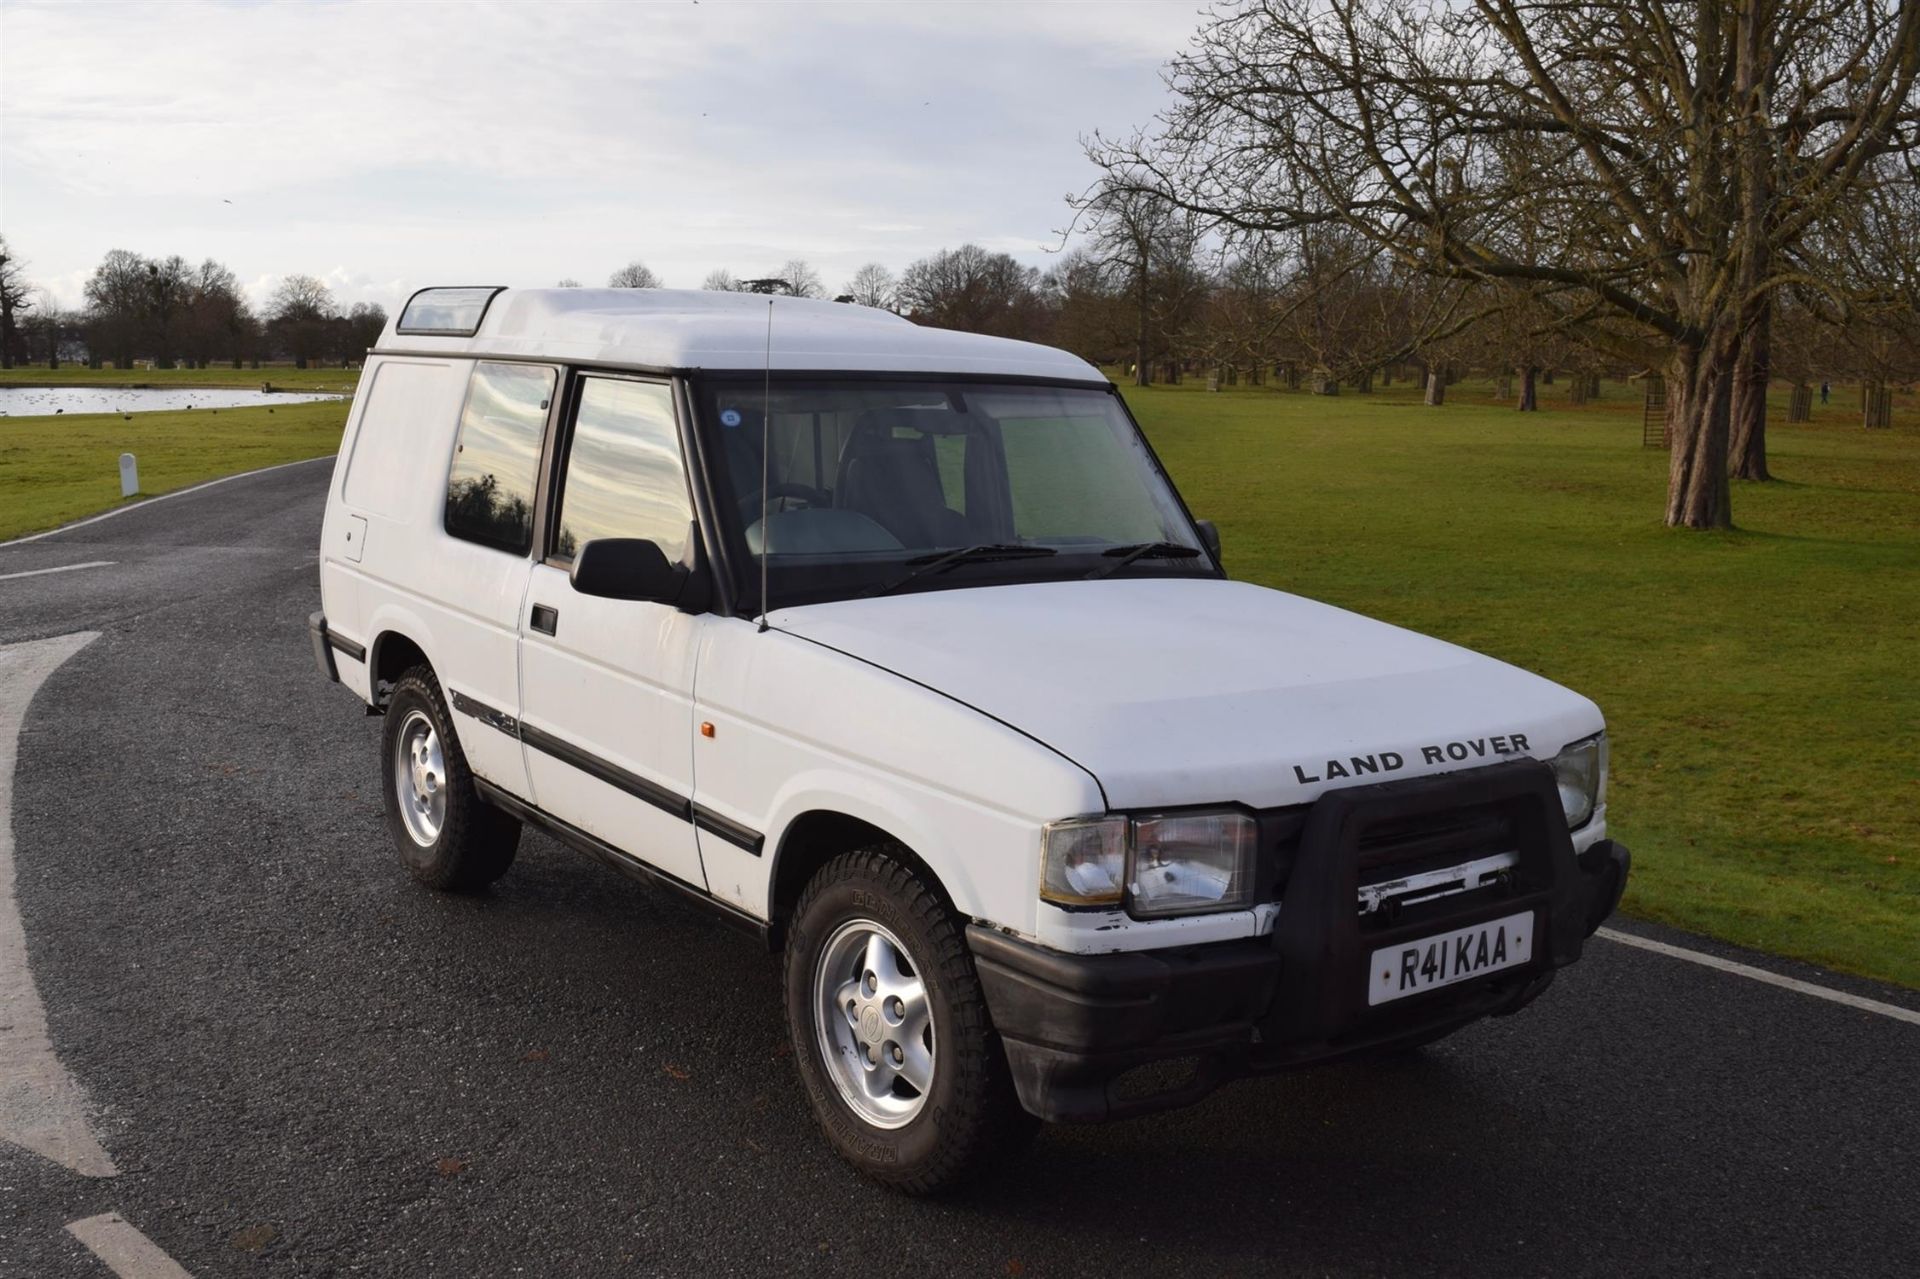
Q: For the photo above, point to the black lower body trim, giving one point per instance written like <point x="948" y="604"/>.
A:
<point x="322" y="645"/>
<point x="659" y="796"/>
<point x="731" y="831"/>
<point x="612" y="774"/>
<point x="625" y="863"/>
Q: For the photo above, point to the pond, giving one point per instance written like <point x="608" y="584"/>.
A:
<point x="45" y="401"/>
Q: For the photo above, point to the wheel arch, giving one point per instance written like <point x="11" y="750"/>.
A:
<point x="815" y="837"/>
<point x="392" y="654"/>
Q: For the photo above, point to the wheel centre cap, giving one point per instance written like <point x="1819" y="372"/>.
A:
<point x="870" y="1024"/>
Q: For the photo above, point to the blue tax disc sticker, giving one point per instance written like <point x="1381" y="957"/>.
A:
<point x="729" y="417"/>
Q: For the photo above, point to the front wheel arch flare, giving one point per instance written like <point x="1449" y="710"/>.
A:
<point x="813" y="839"/>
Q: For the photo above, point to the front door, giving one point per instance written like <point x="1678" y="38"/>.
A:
<point x="606" y="686"/>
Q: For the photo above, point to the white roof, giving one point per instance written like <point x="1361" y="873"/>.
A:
<point x="706" y="329"/>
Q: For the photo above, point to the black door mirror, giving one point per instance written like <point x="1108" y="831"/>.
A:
<point x="627" y="568"/>
<point x="1211" y="536"/>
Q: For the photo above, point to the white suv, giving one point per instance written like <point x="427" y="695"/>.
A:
<point x="896" y="648"/>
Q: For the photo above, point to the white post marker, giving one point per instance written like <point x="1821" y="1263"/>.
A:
<point x="129" y="475"/>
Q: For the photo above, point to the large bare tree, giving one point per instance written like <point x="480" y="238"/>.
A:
<point x="1655" y="160"/>
<point x="872" y="285"/>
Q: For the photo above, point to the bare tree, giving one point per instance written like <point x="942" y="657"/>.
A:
<point x="362" y="325"/>
<point x="116" y="295"/>
<point x="872" y="285"/>
<point x="634" y="275"/>
<point x="568" y="283"/>
<point x="721" y="280"/>
<point x="297" y="316"/>
<point x="802" y="280"/>
<point x="971" y="289"/>
<point x="16" y="298"/>
<point x="1659" y="161"/>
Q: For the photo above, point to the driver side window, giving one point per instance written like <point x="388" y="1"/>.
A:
<point x="625" y="476"/>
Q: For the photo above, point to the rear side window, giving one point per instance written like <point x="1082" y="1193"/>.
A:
<point x="408" y="409"/>
<point x="496" y="457"/>
<point x="624" y="476"/>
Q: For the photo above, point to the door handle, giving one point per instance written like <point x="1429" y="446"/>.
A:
<point x="546" y="619"/>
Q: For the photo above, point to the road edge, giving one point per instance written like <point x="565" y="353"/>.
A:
<point x="161" y="497"/>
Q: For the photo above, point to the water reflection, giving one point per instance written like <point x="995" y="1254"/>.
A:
<point x="46" y="401"/>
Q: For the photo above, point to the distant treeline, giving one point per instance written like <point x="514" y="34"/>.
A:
<point x="178" y="315"/>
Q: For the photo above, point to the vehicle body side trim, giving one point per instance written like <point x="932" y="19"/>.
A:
<point x="612" y="774"/>
<point x="731" y="831"/>
<point x="624" y="862"/>
<point x="661" y="797"/>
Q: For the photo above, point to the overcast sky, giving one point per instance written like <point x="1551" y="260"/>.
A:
<point x="386" y="146"/>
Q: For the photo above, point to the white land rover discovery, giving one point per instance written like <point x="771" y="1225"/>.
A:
<point x="896" y="648"/>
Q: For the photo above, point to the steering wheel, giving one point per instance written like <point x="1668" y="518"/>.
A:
<point x="784" y="491"/>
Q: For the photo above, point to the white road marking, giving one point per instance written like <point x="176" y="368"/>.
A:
<point x="164" y="497"/>
<point x="42" y="1108"/>
<point x="1761" y="974"/>
<point x="127" y="1252"/>
<point x="64" y="568"/>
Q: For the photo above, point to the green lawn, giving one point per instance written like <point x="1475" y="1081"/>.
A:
<point x="55" y="469"/>
<point x="1762" y="688"/>
<point x="281" y="375"/>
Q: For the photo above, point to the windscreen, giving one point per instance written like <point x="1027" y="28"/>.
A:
<point x="858" y="478"/>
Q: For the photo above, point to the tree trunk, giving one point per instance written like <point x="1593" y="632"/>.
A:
<point x="1747" y="412"/>
<point x="1529" y="392"/>
<point x="1699" y="408"/>
<point x="1801" y="409"/>
<point x="1436" y="389"/>
<point x="1747" y="439"/>
<point x="1142" y="371"/>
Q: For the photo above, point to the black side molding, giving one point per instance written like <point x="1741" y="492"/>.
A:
<point x="626" y="864"/>
<point x="325" y="641"/>
<point x="612" y="774"/>
<point x="733" y="832"/>
<point x="667" y="801"/>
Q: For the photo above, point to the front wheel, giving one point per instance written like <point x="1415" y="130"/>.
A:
<point x="890" y="1029"/>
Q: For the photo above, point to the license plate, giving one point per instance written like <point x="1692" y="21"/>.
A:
<point x="1461" y="955"/>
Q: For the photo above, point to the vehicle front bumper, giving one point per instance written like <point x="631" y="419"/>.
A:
<point x="1093" y="1037"/>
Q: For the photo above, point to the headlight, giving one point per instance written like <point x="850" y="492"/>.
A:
<point x="1580" y="770"/>
<point x="1084" y="863"/>
<point x="1184" y="863"/>
<point x="1166" y="864"/>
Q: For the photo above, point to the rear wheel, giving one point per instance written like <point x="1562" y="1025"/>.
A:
<point x="890" y="1029"/>
<point x="447" y="836"/>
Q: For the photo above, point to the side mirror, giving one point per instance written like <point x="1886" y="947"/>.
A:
<point x="1211" y="536"/>
<point x="627" y="568"/>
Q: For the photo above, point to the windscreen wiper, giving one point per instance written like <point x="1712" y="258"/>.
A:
<point x="1125" y="555"/>
<point x="922" y="565"/>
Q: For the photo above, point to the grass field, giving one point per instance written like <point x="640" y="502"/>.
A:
<point x="1762" y="688"/>
<point x="55" y="469"/>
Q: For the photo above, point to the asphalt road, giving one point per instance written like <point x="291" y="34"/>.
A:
<point x="301" y="1063"/>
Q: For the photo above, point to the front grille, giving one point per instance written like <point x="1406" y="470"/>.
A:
<point x="1476" y="840"/>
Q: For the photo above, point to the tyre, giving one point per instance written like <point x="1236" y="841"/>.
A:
<point x="890" y="1029"/>
<point x="448" y="837"/>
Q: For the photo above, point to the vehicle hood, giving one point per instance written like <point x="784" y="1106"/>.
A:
<point x="1195" y="690"/>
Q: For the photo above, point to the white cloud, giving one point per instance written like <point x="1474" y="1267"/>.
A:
<point x="522" y="142"/>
